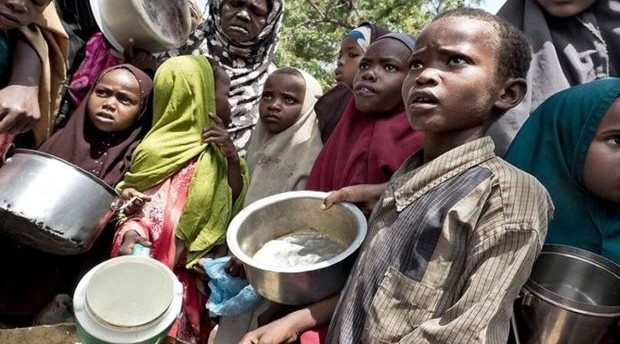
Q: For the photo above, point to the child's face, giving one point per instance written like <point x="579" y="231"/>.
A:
<point x="565" y="8"/>
<point x="222" y="87"/>
<point x="114" y="103"/>
<point x="18" y="13"/>
<point x="281" y="102"/>
<point x="451" y="84"/>
<point x="601" y="174"/>
<point x="349" y="58"/>
<point x="377" y="84"/>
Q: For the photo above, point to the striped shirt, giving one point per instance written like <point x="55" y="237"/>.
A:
<point x="450" y="244"/>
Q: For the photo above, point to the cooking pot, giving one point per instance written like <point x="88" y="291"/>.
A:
<point x="155" y="25"/>
<point x="52" y="205"/>
<point x="290" y="212"/>
<point x="571" y="297"/>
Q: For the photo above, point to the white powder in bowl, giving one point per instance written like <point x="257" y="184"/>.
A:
<point x="297" y="249"/>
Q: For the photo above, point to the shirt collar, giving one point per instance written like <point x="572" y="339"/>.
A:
<point x="416" y="179"/>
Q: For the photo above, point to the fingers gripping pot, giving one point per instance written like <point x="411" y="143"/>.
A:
<point x="52" y="205"/>
<point x="292" y="212"/>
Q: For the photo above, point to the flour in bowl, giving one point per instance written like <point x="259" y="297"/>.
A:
<point x="297" y="249"/>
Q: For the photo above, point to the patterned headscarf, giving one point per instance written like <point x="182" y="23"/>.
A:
<point x="246" y="63"/>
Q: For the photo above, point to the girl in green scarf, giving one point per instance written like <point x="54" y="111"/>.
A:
<point x="571" y="143"/>
<point x="193" y="181"/>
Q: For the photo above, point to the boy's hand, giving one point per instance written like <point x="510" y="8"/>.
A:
<point x="363" y="195"/>
<point x="129" y="239"/>
<point x="133" y="201"/>
<point x="234" y="267"/>
<point x="19" y="108"/>
<point x="279" y="331"/>
<point x="139" y="58"/>
<point x="218" y="135"/>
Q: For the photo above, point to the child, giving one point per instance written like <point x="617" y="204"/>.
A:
<point x="330" y="106"/>
<point x="33" y="51"/>
<point x="574" y="42"/>
<point x="103" y="131"/>
<point x="577" y="161"/>
<point x="286" y="139"/>
<point x="373" y="137"/>
<point x="194" y="182"/>
<point x="457" y="229"/>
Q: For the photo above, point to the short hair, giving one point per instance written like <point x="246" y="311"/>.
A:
<point x="512" y="49"/>
<point x="288" y="71"/>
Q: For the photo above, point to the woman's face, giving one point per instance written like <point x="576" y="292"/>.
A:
<point x="114" y="103"/>
<point x="601" y="172"/>
<point x="565" y="8"/>
<point x="18" y="13"/>
<point x="243" y="20"/>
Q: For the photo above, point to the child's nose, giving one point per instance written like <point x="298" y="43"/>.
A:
<point x="427" y="75"/>
<point x="17" y="5"/>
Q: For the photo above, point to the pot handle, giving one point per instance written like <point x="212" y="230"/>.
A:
<point x="525" y="298"/>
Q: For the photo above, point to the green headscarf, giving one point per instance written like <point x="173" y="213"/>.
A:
<point x="184" y="97"/>
<point x="552" y="145"/>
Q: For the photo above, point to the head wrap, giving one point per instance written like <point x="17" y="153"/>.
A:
<point x="281" y="162"/>
<point x="106" y="155"/>
<point x="406" y="39"/>
<point x="552" y="145"/>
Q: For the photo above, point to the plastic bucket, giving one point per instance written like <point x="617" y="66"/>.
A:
<point x="127" y="300"/>
<point x="571" y="297"/>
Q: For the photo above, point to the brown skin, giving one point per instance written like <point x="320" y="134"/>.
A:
<point x="377" y="84"/>
<point x="243" y="20"/>
<point x="601" y="174"/>
<point x="114" y="103"/>
<point x="18" y="13"/>
<point x="565" y="8"/>
<point x="349" y="57"/>
<point x="19" y="100"/>
<point x="451" y="92"/>
<point x="281" y="101"/>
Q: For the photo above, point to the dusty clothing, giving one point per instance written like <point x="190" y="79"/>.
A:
<point x="450" y="243"/>
<point x="566" y="52"/>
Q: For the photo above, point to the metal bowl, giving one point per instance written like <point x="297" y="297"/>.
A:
<point x="278" y="215"/>
<point x="52" y="205"/>
<point x="155" y="25"/>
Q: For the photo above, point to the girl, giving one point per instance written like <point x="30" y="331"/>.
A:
<point x="373" y="137"/>
<point x="103" y="131"/>
<point x="571" y="143"/>
<point x="286" y="139"/>
<point x="194" y="188"/>
<point x="330" y="106"/>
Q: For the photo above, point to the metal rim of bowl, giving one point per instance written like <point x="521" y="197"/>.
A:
<point x="264" y="202"/>
<point x="68" y="164"/>
<point x="94" y="5"/>
<point x="566" y="303"/>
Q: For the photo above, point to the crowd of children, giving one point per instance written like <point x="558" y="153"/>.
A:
<point x="454" y="229"/>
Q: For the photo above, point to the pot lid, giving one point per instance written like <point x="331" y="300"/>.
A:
<point x="130" y="293"/>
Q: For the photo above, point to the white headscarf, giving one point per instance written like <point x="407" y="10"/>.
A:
<point x="282" y="162"/>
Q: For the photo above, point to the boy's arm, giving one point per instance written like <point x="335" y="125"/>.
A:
<point x="497" y="266"/>
<point x="288" y="328"/>
<point x="365" y="195"/>
<point x="19" y="100"/>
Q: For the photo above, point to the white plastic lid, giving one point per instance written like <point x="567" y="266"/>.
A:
<point x="129" y="293"/>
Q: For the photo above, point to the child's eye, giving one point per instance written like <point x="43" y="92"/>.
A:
<point x="614" y="140"/>
<point x="363" y="65"/>
<point x="390" y="68"/>
<point x="353" y="55"/>
<point x="102" y="92"/>
<point x="415" y="64"/>
<point x="289" y="100"/>
<point x="267" y="96"/>
<point x="457" y="60"/>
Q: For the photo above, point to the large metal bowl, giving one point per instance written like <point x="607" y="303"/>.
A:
<point x="155" y="25"/>
<point x="285" y="213"/>
<point x="52" y="205"/>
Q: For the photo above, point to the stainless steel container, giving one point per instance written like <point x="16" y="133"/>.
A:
<point x="52" y="205"/>
<point x="285" y="213"/>
<point x="571" y="297"/>
<point x="154" y="25"/>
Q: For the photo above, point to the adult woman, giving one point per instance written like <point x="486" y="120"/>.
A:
<point x="241" y="35"/>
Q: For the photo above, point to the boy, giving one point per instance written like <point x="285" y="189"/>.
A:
<point x="456" y="232"/>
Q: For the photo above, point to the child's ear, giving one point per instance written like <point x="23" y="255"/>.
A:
<point x="512" y="92"/>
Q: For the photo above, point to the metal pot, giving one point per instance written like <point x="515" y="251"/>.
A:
<point x="155" y="26"/>
<point x="285" y="213"/>
<point x="571" y="297"/>
<point x="52" y="205"/>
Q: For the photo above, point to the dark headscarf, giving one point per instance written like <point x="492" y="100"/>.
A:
<point x="106" y="155"/>
<point x="552" y="145"/>
<point x="330" y="106"/>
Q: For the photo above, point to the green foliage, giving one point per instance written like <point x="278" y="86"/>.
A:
<point x="312" y="29"/>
